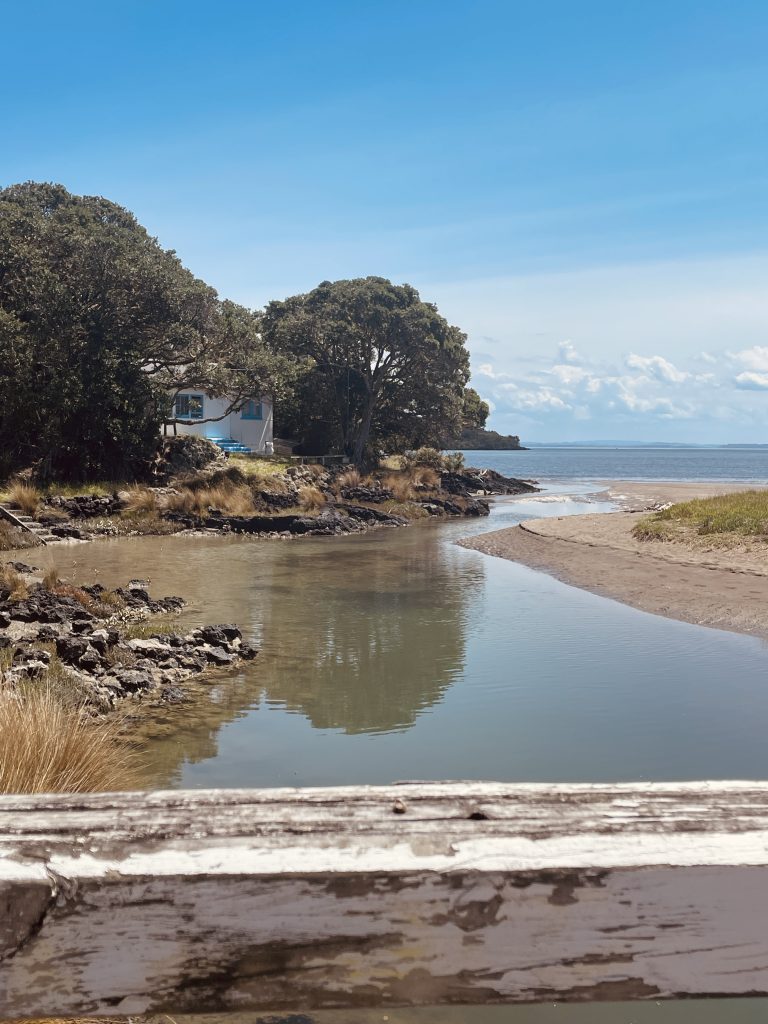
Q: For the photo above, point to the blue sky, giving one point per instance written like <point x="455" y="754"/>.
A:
<point x="580" y="186"/>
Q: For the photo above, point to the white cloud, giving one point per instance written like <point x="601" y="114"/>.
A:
<point x="755" y="358"/>
<point x="657" y="367"/>
<point x="569" y="374"/>
<point x="748" y="381"/>
<point x="567" y="353"/>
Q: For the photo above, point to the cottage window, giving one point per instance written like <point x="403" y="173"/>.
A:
<point x="189" y="407"/>
<point x="252" y="411"/>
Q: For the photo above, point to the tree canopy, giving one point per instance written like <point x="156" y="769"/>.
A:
<point x="98" y="325"/>
<point x="386" y="369"/>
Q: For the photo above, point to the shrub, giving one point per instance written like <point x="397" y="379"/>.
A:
<point x="48" y="748"/>
<point x="310" y="498"/>
<point x="453" y="462"/>
<point x="187" y="453"/>
<point x="424" y="457"/>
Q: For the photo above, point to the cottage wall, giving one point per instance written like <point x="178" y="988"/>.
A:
<point x="255" y="433"/>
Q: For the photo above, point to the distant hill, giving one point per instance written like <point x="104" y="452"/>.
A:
<point x="477" y="439"/>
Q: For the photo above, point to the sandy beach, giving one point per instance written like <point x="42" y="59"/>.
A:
<point x="709" y="585"/>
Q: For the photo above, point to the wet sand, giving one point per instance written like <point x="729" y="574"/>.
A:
<point x="726" y="588"/>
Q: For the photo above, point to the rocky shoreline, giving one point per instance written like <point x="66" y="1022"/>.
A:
<point x="83" y="638"/>
<point x="343" y="508"/>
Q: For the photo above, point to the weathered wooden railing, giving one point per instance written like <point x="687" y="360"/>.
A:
<point x="416" y="894"/>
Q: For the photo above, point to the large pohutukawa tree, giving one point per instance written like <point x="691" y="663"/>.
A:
<point x="391" y="369"/>
<point x="98" y="325"/>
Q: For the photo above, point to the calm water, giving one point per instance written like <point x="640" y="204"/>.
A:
<point x="629" y="463"/>
<point x="400" y="655"/>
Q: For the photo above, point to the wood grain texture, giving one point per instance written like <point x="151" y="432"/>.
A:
<point x="363" y="896"/>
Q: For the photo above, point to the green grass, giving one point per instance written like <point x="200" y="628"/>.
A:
<point x="743" y="514"/>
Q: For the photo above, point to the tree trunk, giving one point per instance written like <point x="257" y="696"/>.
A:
<point x="364" y="433"/>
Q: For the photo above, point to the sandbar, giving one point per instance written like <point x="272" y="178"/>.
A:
<point x="709" y="585"/>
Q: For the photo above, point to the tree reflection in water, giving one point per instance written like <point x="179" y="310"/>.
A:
<point x="359" y="634"/>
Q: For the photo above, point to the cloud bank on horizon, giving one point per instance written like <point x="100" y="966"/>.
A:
<point x="674" y="351"/>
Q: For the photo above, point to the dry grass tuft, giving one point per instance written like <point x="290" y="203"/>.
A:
<point x="12" y="581"/>
<point x="349" y="478"/>
<point x="12" y="538"/>
<point x="310" y="498"/>
<point x="47" y="748"/>
<point x="227" y="498"/>
<point x="51" y="578"/>
<point x="424" y="477"/>
<point x="141" y="501"/>
<point x="25" y="496"/>
<point x="400" y="486"/>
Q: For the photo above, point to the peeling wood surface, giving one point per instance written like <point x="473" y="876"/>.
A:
<point x="420" y="894"/>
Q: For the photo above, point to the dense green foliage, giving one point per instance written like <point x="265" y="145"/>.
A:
<point x="383" y="370"/>
<point x="97" y="323"/>
<point x="100" y="327"/>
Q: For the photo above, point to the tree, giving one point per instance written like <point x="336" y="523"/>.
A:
<point x="98" y="325"/>
<point x="474" y="411"/>
<point x="391" y="369"/>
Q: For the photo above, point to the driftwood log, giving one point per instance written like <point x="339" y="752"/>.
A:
<point x="420" y="894"/>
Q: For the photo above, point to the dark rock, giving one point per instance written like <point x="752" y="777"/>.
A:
<point x="82" y="625"/>
<point x="173" y="695"/>
<point x="477" y="507"/>
<point x="483" y="481"/>
<point x="247" y="652"/>
<point x="133" y="680"/>
<point x="23" y="568"/>
<point x="53" y="615"/>
<point x="5" y="620"/>
<point x="70" y="532"/>
<point x="25" y="654"/>
<point x="5" y="641"/>
<point x="46" y="633"/>
<point x="25" y="612"/>
<point x="218" y="656"/>
<point x="214" y="635"/>
<point x="71" y="648"/>
<point x="376" y="495"/>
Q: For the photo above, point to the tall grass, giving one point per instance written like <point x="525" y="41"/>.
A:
<point x="12" y="537"/>
<point x="349" y="478"/>
<point x="14" y="582"/>
<point x="232" y="500"/>
<point x="424" y="476"/>
<point x="48" y="748"/>
<point x="400" y="486"/>
<point x="743" y="514"/>
<point x="310" y="498"/>
<point x="25" y="496"/>
<point x="140" y="501"/>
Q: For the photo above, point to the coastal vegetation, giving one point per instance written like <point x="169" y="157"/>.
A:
<point x="47" y="746"/>
<point x="723" y="519"/>
<point x="100" y="327"/>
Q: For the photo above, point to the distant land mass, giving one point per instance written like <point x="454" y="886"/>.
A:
<point x="475" y="439"/>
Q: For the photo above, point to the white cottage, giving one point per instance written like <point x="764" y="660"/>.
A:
<point x="248" y="429"/>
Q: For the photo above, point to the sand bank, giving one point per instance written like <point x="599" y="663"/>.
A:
<point x="713" y="586"/>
